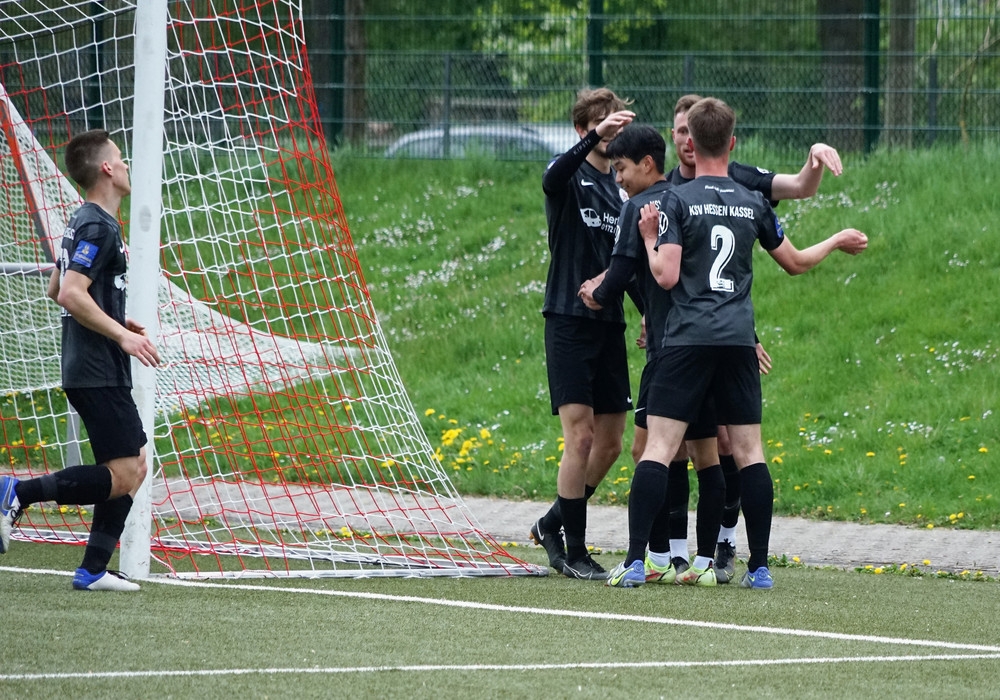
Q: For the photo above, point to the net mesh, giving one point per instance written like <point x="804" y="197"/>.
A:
<point x="284" y="441"/>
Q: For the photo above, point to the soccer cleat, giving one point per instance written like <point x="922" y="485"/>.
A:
<point x="107" y="580"/>
<point x="659" y="574"/>
<point x="680" y="564"/>
<point x="553" y="543"/>
<point x="761" y="578"/>
<point x="586" y="569"/>
<point x="627" y="576"/>
<point x="725" y="562"/>
<point x="697" y="577"/>
<point x="10" y="510"/>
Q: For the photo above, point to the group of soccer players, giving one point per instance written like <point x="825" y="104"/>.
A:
<point x="680" y="244"/>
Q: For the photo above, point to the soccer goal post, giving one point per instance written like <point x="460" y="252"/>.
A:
<point x="282" y="440"/>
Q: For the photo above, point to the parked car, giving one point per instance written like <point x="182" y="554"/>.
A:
<point x="500" y="141"/>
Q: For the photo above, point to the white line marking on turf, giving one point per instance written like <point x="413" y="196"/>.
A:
<point x="580" y="614"/>
<point x="437" y="668"/>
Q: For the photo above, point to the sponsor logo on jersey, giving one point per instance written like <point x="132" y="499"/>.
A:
<point x="590" y="217"/>
<point x="763" y="171"/>
<point x="85" y="254"/>
<point x="585" y="182"/>
<point x="69" y="233"/>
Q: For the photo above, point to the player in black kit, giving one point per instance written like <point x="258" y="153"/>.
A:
<point x="97" y="340"/>
<point x="701" y="248"/>
<point x="584" y="349"/>
<point x="775" y="187"/>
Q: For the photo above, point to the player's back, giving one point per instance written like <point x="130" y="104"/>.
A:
<point x="716" y="221"/>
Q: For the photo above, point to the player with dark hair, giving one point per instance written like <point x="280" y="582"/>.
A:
<point x="97" y="340"/>
<point x="700" y="246"/>
<point x="638" y="155"/>
<point x="584" y="349"/>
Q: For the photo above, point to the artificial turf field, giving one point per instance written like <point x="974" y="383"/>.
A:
<point x="818" y="633"/>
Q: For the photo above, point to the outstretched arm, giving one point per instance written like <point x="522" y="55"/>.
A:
<point x="795" y="262"/>
<point x="805" y="183"/>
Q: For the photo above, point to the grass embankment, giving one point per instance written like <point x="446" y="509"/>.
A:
<point x="880" y="407"/>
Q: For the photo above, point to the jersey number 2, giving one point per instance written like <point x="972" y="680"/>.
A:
<point x="724" y="242"/>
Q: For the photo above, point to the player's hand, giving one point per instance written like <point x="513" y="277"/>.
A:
<point x="586" y="293"/>
<point x="649" y="222"/>
<point x="641" y="340"/>
<point x="763" y="359"/>
<point x="141" y="348"/>
<point x="820" y="154"/>
<point x="852" y="241"/>
<point x="135" y="326"/>
<point x="614" y="123"/>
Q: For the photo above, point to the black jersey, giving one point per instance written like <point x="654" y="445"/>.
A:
<point x="716" y="222"/>
<point x="92" y="245"/>
<point x="757" y="179"/>
<point x="581" y="207"/>
<point x="629" y="244"/>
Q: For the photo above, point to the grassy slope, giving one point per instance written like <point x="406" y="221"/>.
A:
<point x="881" y="403"/>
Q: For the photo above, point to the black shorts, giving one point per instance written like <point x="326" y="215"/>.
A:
<point x="686" y="375"/>
<point x="705" y="426"/>
<point x="112" y="421"/>
<point x="587" y="364"/>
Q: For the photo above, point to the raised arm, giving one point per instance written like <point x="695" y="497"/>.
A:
<point x="805" y="183"/>
<point x="795" y="262"/>
<point x="664" y="260"/>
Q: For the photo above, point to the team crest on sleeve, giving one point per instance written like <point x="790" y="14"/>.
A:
<point x="777" y="227"/>
<point x="664" y="224"/>
<point x="85" y="254"/>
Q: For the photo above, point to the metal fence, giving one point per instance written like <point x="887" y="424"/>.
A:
<point x="855" y="73"/>
<point x="858" y="74"/>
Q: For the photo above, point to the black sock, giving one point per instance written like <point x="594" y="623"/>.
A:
<point x="105" y="531"/>
<point x="76" y="486"/>
<point x="757" y="495"/>
<point x="646" y="499"/>
<point x="574" y="517"/>
<point x="711" y="496"/>
<point x="731" y="511"/>
<point x="552" y="520"/>
<point x="678" y="498"/>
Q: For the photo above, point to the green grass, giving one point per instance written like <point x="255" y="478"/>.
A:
<point x="882" y="403"/>
<point x="832" y="632"/>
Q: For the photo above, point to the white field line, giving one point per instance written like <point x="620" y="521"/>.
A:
<point x="431" y="668"/>
<point x="987" y="651"/>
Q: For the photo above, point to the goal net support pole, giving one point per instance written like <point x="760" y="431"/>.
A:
<point x="144" y="253"/>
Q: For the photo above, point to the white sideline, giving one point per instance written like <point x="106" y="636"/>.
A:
<point x="488" y="667"/>
<point x="988" y="650"/>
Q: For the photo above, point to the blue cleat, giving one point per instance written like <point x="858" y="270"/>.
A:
<point x="10" y="510"/>
<point x="627" y="576"/>
<point x="761" y="579"/>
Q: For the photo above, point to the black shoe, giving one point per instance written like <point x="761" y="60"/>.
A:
<point x="553" y="543"/>
<point x="725" y="562"/>
<point x="680" y="565"/>
<point x="586" y="569"/>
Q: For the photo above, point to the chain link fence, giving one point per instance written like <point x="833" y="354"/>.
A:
<point x="858" y="74"/>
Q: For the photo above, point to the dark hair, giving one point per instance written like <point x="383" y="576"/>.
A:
<point x="596" y="104"/>
<point x="635" y="142"/>
<point x="685" y="102"/>
<point x="711" y="122"/>
<point x="84" y="156"/>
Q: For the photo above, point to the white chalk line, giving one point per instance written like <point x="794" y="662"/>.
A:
<point x="986" y="652"/>
<point x="439" y="668"/>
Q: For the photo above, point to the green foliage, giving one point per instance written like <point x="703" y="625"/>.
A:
<point x="881" y="405"/>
